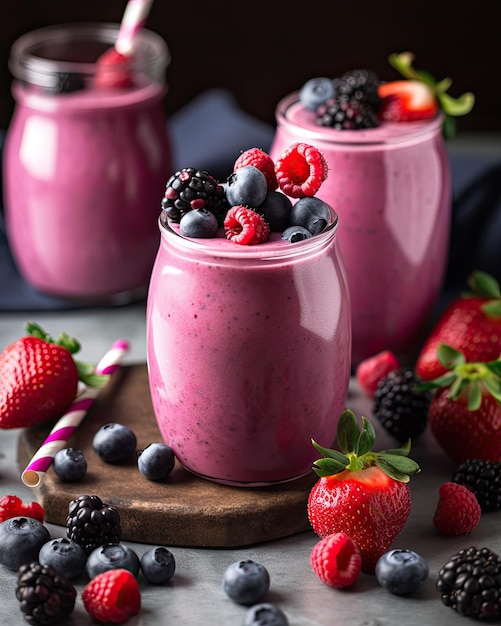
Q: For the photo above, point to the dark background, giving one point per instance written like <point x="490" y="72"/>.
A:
<point x="261" y="50"/>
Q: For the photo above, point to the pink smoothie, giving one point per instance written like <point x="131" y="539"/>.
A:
<point x="248" y="354"/>
<point x="83" y="172"/>
<point x="391" y="189"/>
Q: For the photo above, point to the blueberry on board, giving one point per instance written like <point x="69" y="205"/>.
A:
<point x="316" y="91"/>
<point x="246" y="582"/>
<point x="198" y="223"/>
<point x="265" y="614"/>
<point x="401" y="571"/>
<point x="156" y="461"/>
<point x="158" y="565"/>
<point x="311" y="213"/>
<point x="296" y="233"/>
<point x="21" y="539"/>
<point x="69" y="464"/>
<point x="114" y="442"/>
<point x="276" y="209"/>
<point x="247" y="186"/>
<point x="64" y="555"/>
<point x="112" y="556"/>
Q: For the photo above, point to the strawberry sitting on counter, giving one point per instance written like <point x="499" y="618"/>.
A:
<point x="360" y="492"/>
<point x="39" y="378"/>
<point x="471" y="324"/>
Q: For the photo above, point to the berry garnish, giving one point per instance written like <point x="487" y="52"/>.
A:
<point x="70" y="464"/>
<point x="458" y="511"/>
<point x="13" y="506"/>
<point x="198" y="223"/>
<point x="310" y="213"/>
<point x="484" y="479"/>
<point x="406" y="101"/>
<point x="114" y="442"/>
<point x="336" y="560"/>
<point x="401" y="571"/>
<point x="276" y="210"/>
<point x="246" y="582"/>
<point x="316" y="91"/>
<point x="370" y="371"/>
<point x="342" y="113"/>
<point x="189" y="189"/>
<point x="360" y="86"/>
<point x="247" y="185"/>
<point x="244" y="226"/>
<point x="301" y="169"/>
<point x="296" y="233"/>
<point x="112" y="596"/>
<point x="262" y="160"/>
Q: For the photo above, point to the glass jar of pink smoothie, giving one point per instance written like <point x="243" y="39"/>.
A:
<point x="84" y="166"/>
<point x="391" y="188"/>
<point x="248" y="351"/>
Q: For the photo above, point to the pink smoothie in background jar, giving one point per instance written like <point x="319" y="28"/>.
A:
<point x="84" y="168"/>
<point x="248" y="353"/>
<point x="391" y="188"/>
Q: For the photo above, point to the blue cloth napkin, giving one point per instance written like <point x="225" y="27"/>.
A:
<point x="208" y="133"/>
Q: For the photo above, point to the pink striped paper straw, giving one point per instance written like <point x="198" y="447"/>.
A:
<point x="69" y="422"/>
<point x="134" y="19"/>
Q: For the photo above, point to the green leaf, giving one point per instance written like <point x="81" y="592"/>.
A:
<point x="449" y="127"/>
<point x="493" y="386"/>
<point x="494" y="367"/>
<point x="365" y="442"/>
<point x="329" y="453"/>
<point x="449" y="357"/>
<point x="456" y="106"/>
<point x="348" y="431"/>
<point x="492" y="308"/>
<point x="402" y="451"/>
<point x="327" y="467"/>
<point x="474" y="397"/>
<point x="484" y="285"/>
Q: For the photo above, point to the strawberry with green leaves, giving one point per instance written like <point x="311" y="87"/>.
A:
<point x="465" y="410"/>
<point x="39" y="378"/>
<point x="362" y="493"/>
<point x="471" y="324"/>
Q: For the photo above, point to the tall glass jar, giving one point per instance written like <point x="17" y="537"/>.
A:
<point x="85" y="164"/>
<point x="391" y="188"/>
<point x="248" y="353"/>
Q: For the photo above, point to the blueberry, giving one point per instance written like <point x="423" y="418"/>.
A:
<point x="276" y="209"/>
<point x="156" y="461"/>
<point x="158" y="565"/>
<point x="114" y="442"/>
<point x="112" y="556"/>
<point x="296" y="233"/>
<point x="66" y="556"/>
<point x="311" y="213"/>
<point x="246" y="582"/>
<point x="401" y="571"/>
<point x="316" y="91"/>
<point x="21" y="539"/>
<point x="265" y="614"/>
<point x="246" y="186"/>
<point x="198" y="223"/>
<point x="70" y="464"/>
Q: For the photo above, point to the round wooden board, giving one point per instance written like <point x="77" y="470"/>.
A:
<point x="182" y="510"/>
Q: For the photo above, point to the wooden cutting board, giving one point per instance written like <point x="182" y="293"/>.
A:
<point x="181" y="510"/>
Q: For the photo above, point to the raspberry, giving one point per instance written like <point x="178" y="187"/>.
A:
<point x="373" y="369"/>
<point x="244" y="226"/>
<point x="300" y="170"/>
<point x="260" y="159"/>
<point x="458" y="511"/>
<point x="13" y="506"/>
<point x="336" y="560"/>
<point x="112" y="596"/>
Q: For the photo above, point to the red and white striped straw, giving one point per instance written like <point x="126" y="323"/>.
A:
<point x="134" y="19"/>
<point x="69" y="422"/>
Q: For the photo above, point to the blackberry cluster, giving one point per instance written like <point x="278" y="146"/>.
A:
<point x="92" y="523"/>
<point x="470" y="583"/>
<point x="355" y="105"/>
<point x="399" y="406"/>
<point x="484" y="479"/>
<point x="44" y="595"/>
<point x="190" y="189"/>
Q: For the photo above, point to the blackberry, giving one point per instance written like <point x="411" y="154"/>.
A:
<point x="484" y="479"/>
<point x="401" y="409"/>
<point x="343" y="113"/>
<point x="190" y="189"/>
<point x="46" y="597"/>
<point x="92" y="523"/>
<point x="361" y="86"/>
<point x="470" y="583"/>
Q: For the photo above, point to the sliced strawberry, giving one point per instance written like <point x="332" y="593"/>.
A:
<point x="113" y="71"/>
<point x="336" y="560"/>
<point x="406" y="101"/>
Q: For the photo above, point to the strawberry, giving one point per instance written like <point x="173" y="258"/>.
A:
<point x="465" y="409"/>
<point x="373" y="369"/>
<point x="39" y="378"/>
<point x="360" y="492"/>
<point x="458" y="511"/>
<point x="113" y="71"/>
<point x="112" y="596"/>
<point x="336" y="560"/>
<point x="301" y="169"/>
<point x="471" y="324"/>
<point x="406" y="101"/>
